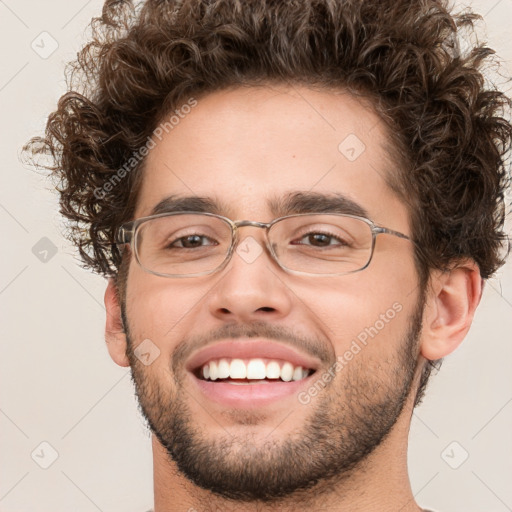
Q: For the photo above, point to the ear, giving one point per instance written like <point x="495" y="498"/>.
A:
<point x="115" y="336"/>
<point x="452" y="299"/>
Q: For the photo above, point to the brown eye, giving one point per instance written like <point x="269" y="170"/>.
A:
<point x="190" y="242"/>
<point x="317" y="239"/>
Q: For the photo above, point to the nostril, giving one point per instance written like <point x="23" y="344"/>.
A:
<point x="266" y="308"/>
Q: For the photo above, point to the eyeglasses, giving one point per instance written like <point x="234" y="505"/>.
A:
<point x="191" y="244"/>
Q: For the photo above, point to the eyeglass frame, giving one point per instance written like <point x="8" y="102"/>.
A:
<point x="126" y="235"/>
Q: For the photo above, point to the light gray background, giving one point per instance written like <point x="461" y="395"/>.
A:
<point x="59" y="386"/>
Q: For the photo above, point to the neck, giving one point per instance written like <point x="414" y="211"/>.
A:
<point x="379" y="484"/>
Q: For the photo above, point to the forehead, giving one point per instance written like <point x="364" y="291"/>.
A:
<point x="249" y="150"/>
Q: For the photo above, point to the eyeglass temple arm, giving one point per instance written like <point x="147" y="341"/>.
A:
<point x="124" y="233"/>
<point x="377" y="230"/>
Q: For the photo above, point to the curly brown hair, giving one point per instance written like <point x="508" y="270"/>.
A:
<point x="448" y="130"/>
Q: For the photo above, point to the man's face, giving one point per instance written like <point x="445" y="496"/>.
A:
<point x="242" y="148"/>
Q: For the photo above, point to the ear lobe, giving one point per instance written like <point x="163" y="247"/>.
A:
<point x="451" y="303"/>
<point x="115" y="336"/>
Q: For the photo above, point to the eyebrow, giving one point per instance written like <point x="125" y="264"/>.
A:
<point x="291" y="203"/>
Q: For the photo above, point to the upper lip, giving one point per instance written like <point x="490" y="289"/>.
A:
<point x="251" y="349"/>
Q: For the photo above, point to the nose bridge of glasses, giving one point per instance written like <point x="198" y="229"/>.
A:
<point x="247" y="223"/>
<point x="237" y="238"/>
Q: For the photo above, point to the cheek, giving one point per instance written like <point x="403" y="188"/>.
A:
<point x="159" y="309"/>
<point x="369" y="309"/>
<point x="365" y="322"/>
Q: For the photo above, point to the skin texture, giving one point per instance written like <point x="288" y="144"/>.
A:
<point x="242" y="147"/>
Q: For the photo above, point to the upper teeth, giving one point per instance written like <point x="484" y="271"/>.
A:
<point x="252" y="369"/>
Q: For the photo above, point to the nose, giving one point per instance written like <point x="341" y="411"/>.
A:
<point x="252" y="286"/>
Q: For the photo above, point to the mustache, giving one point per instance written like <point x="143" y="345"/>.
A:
<point x="322" y="349"/>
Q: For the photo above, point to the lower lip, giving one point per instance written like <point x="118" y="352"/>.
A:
<point x="249" y="396"/>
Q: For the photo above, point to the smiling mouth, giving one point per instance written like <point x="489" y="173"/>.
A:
<point x="251" y="371"/>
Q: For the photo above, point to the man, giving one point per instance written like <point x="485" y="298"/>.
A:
<point x="296" y="205"/>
